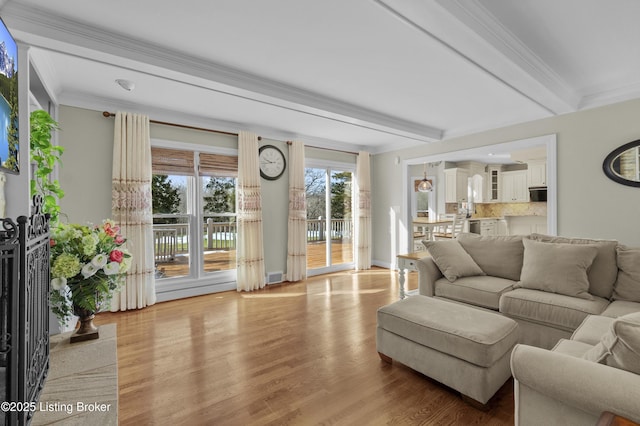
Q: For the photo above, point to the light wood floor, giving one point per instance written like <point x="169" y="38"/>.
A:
<point x="293" y="354"/>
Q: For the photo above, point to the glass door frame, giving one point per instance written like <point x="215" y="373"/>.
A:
<point x="333" y="166"/>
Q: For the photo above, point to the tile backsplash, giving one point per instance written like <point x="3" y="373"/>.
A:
<point x="510" y="209"/>
<point x="504" y="209"/>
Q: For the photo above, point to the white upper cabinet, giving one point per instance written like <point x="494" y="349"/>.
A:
<point x="537" y="173"/>
<point x="515" y="187"/>
<point x="476" y="188"/>
<point x="493" y="184"/>
<point x="456" y="185"/>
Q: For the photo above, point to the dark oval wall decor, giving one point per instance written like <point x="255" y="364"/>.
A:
<point x="614" y="165"/>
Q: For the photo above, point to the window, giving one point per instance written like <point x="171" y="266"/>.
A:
<point x="194" y="219"/>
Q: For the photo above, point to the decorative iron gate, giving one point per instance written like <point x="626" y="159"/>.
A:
<point x="24" y="347"/>
<point x="9" y="339"/>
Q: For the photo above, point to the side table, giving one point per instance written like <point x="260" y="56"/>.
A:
<point x="408" y="262"/>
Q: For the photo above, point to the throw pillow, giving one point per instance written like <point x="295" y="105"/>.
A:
<point x="499" y="256"/>
<point x="452" y="260"/>
<point x="604" y="269"/>
<point x="627" y="286"/>
<point x="620" y="346"/>
<point x="557" y="268"/>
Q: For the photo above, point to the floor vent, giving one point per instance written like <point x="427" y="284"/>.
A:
<point x="275" y="277"/>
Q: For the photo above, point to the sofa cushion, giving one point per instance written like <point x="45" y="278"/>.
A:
<point x="604" y="269"/>
<point x="557" y="267"/>
<point x="554" y="310"/>
<point x="620" y="346"/>
<point x="482" y="291"/>
<point x="627" y="286"/>
<point x="499" y="256"/>
<point x="618" y="308"/>
<point x="452" y="260"/>
<point x="479" y="337"/>
<point x="592" y="329"/>
<point x="572" y="347"/>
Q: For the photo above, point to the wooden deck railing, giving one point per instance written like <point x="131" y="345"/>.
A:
<point x="173" y="238"/>
<point x="341" y="229"/>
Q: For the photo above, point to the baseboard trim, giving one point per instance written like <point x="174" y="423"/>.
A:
<point x="166" y="296"/>
<point x="382" y="264"/>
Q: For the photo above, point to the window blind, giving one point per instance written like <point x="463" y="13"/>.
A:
<point x="165" y="161"/>
<point x="218" y="165"/>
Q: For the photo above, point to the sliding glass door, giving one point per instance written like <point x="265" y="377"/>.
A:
<point x="329" y="218"/>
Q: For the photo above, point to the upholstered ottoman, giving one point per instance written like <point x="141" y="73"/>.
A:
<point x="465" y="348"/>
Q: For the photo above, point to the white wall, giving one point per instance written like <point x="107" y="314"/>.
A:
<point x="589" y="204"/>
<point x="85" y="174"/>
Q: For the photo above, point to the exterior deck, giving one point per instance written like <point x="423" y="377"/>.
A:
<point x="217" y="260"/>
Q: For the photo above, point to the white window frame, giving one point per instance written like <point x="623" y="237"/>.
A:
<point x="198" y="282"/>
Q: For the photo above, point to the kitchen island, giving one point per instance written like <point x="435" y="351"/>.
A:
<point x="487" y="226"/>
<point x="525" y="225"/>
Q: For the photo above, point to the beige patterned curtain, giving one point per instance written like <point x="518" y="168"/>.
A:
<point x="249" y="250"/>
<point x="131" y="208"/>
<point x="297" y="227"/>
<point x="363" y="212"/>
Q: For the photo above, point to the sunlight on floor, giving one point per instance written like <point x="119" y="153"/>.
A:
<point x="273" y="295"/>
<point x="337" y="292"/>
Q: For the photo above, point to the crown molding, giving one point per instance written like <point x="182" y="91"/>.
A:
<point x="46" y="73"/>
<point x="596" y="97"/>
<point x="559" y="96"/>
<point x="98" y="104"/>
<point x="48" y="31"/>
<point x="394" y="146"/>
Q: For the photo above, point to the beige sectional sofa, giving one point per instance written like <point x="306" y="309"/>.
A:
<point x="580" y="297"/>
<point x="548" y="289"/>
<point x="565" y="386"/>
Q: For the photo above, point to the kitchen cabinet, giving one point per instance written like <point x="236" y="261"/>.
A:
<point x="476" y="188"/>
<point x="525" y="225"/>
<point x="456" y="185"/>
<point x="514" y="187"/>
<point x="537" y="173"/>
<point x="492" y="193"/>
<point x="489" y="227"/>
<point x="501" y="228"/>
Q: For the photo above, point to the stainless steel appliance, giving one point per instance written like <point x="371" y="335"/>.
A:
<point x="538" y="193"/>
<point x="474" y="226"/>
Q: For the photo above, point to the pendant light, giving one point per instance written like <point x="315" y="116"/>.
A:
<point x="425" y="185"/>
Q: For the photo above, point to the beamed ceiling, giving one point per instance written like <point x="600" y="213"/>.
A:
<point x="359" y="74"/>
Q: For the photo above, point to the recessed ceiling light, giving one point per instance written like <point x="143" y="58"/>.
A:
<point x="127" y="85"/>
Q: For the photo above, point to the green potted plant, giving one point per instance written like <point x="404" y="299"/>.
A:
<point x="45" y="156"/>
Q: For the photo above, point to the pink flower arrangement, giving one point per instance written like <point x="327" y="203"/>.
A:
<point x="87" y="265"/>
<point x="116" y="256"/>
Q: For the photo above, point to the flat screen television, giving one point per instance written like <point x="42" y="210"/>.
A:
<point x="9" y="143"/>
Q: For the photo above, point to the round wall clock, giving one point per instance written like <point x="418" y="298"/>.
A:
<point x="272" y="162"/>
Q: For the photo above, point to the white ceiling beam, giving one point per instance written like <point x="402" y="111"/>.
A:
<point x="470" y="31"/>
<point x="42" y="29"/>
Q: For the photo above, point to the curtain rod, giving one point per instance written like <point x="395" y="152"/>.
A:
<point x="108" y="114"/>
